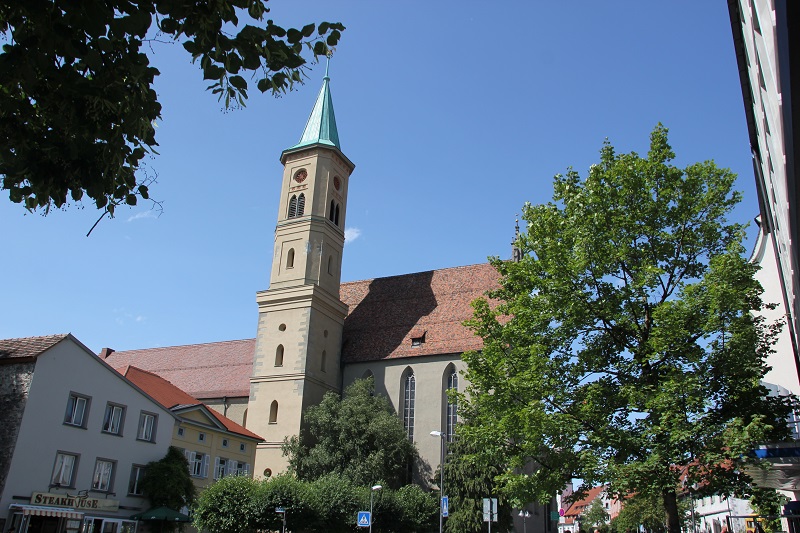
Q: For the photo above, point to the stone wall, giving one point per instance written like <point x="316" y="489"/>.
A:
<point x="15" y="382"/>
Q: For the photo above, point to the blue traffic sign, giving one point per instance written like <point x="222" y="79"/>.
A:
<point x="364" y="519"/>
<point x="445" y="506"/>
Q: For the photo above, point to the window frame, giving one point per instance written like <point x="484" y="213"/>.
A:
<point x="73" y="470"/>
<point x="69" y="418"/>
<point x="409" y="402"/>
<point x="137" y="472"/>
<point x="140" y="435"/>
<point x="109" y="475"/>
<point x="120" y="423"/>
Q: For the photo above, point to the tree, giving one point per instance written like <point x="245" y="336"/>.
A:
<point x="647" y="512"/>
<point x="623" y="348"/>
<point x="77" y="105"/>
<point x="768" y="502"/>
<point x="596" y="515"/>
<point x="228" y="506"/>
<point x="358" y="437"/>
<point x="167" y="482"/>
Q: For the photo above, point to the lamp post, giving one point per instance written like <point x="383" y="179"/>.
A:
<point x="440" y="434"/>
<point x="371" y="493"/>
<point x="525" y="515"/>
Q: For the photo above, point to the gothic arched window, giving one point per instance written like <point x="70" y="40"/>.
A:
<point x="301" y="205"/>
<point x="409" y="399"/>
<point x="292" y="207"/>
<point x="451" y="415"/>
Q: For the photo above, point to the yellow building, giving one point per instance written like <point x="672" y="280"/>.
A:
<point x="215" y="446"/>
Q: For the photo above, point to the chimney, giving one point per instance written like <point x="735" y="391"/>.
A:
<point x="105" y="352"/>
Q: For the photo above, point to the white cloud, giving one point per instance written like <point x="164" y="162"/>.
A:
<point x="142" y="214"/>
<point x="123" y="317"/>
<point x="351" y="234"/>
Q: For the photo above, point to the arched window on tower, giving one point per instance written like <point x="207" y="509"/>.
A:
<point x="292" y="207"/>
<point x="336" y="216"/>
<point x="330" y="265"/>
<point x="409" y="399"/>
<point x="330" y="214"/>
<point x="451" y="414"/>
<point x="301" y="204"/>
<point x="273" y="412"/>
<point x="323" y="360"/>
<point x="290" y="258"/>
<point x="279" y="355"/>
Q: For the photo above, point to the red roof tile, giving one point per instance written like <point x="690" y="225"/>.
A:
<point x="170" y="396"/>
<point x="28" y="346"/>
<point x="384" y="314"/>
<point x="579" y="506"/>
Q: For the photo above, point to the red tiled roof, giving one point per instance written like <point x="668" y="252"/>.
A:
<point x="28" y="346"/>
<point x="386" y="313"/>
<point x="579" y="506"/>
<point x="170" y="396"/>
<point x="212" y="370"/>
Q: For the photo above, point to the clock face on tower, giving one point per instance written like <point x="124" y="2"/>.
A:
<point x="337" y="183"/>
<point x="300" y="176"/>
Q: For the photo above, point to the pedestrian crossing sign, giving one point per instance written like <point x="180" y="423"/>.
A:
<point x="363" y="519"/>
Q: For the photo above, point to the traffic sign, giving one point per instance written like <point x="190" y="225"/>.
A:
<point x="364" y="519"/>
<point x="445" y="506"/>
<point x="280" y="510"/>
<point x="490" y="509"/>
<point x="561" y="512"/>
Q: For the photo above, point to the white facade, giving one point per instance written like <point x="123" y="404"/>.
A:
<point x="84" y="433"/>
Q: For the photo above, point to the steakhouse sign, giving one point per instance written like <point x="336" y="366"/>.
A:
<point x="76" y="502"/>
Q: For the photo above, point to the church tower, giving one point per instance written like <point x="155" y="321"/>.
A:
<point x="300" y="316"/>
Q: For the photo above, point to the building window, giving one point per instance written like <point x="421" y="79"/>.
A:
<point x="112" y="420"/>
<point x="323" y="360"/>
<point x="452" y="406"/>
<point x="273" y="412"/>
<point x="279" y="355"/>
<point x="181" y="431"/>
<point x="336" y="216"/>
<point x="198" y="463"/>
<point x="64" y="470"/>
<point x="224" y="443"/>
<point x="330" y="265"/>
<point x="137" y="473"/>
<point x="201" y="437"/>
<point x="242" y="468"/>
<point x="147" y="427"/>
<point x="242" y="447"/>
<point x="409" y="398"/>
<point x="290" y="258"/>
<point x="221" y="467"/>
<point x="77" y="410"/>
<point x="103" y="475"/>
<point x="292" y="207"/>
<point x="332" y="211"/>
<point x="297" y="205"/>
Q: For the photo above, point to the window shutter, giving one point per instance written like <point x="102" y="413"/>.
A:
<point x="231" y="467"/>
<point x="247" y="469"/>
<point x="292" y="207"/>
<point x="205" y="466"/>
<point x="301" y="204"/>
<point x="216" y="467"/>
<point x="190" y="457"/>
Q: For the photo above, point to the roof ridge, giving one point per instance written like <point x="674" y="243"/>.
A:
<point x="215" y="343"/>
<point x="460" y="267"/>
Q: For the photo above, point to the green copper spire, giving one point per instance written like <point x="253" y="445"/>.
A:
<point x="321" y="125"/>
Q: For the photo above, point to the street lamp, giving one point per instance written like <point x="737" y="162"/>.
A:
<point x="371" y="493"/>
<point x="440" y="434"/>
<point x="525" y="515"/>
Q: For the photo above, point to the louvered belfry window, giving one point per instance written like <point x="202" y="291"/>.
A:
<point x="301" y="204"/>
<point x="292" y="207"/>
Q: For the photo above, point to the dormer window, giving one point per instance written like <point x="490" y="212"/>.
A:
<point x="417" y="337"/>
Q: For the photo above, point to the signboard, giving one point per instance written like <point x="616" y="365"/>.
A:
<point x="83" y="503"/>
<point x="445" y="506"/>
<point x="490" y="509"/>
<point x="280" y="510"/>
<point x="364" y="519"/>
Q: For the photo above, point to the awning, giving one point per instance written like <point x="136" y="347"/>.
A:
<point x="41" y="510"/>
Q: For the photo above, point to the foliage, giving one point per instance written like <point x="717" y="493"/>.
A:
<point x="468" y="478"/>
<point x="595" y="515"/>
<point x="638" y="510"/>
<point x="228" y="506"/>
<point x="357" y="437"/>
<point x="418" y="510"/>
<point x="76" y="86"/>
<point x="288" y="492"/>
<point x="167" y="482"/>
<point x="624" y="348"/>
<point x="768" y="502"/>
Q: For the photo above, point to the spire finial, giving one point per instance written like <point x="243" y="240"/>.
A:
<point x="516" y="253"/>
<point x="327" y="64"/>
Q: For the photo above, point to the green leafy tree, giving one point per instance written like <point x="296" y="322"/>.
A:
<point x="77" y="104"/>
<point x="167" y="482"/>
<point x="768" y="502"/>
<point x="624" y="348"/>
<point x="228" y="506"/>
<point x="357" y="437"/>
<point x="595" y="516"/>
<point x="645" y="511"/>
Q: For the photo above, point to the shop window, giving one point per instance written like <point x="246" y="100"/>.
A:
<point x="64" y="470"/>
<point x="112" y="420"/>
<point x="147" y="427"/>
<point x="77" y="410"/>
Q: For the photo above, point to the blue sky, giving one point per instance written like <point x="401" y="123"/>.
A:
<point x="455" y="114"/>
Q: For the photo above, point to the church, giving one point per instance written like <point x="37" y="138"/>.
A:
<point x="316" y="334"/>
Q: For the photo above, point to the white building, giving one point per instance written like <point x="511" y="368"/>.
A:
<point x="74" y="440"/>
